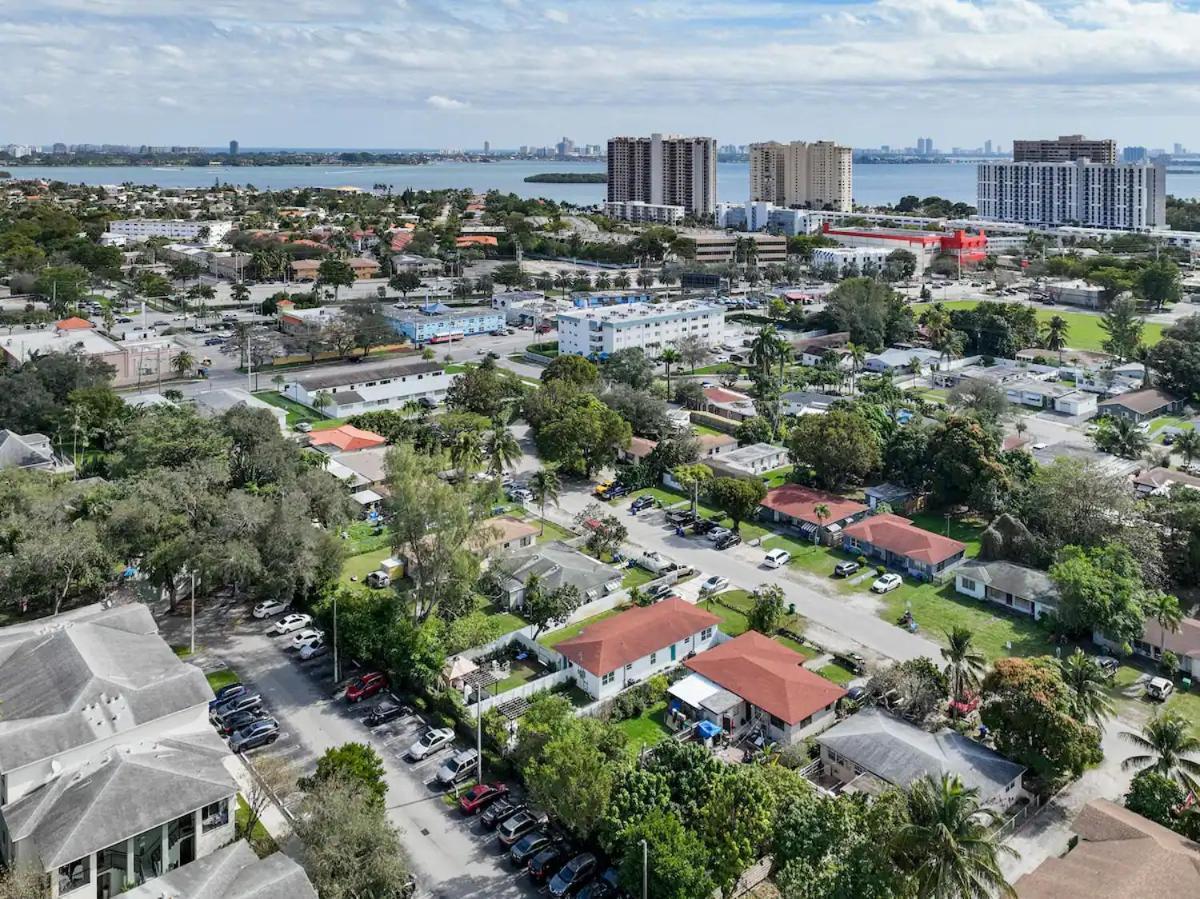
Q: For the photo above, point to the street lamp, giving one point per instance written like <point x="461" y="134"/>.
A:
<point x="337" y="676"/>
<point x="645" y="868"/>
<point x="478" y="694"/>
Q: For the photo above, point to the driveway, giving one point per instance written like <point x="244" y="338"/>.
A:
<point x="452" y="858"/>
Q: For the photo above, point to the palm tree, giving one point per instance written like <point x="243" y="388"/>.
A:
<point x="322" y="400"/>
<point x="621" y="281"/>
<point x="563" y="280"/>
<point x="1164" y="609"/>
<point x="278" y="381"/>
<point x="1088" y="686"/>
<point x="668" y="357"/>
<point x="1188" y="445"/>
<point x="545" y="486"/>
<point x="603" y="281"/>
<point x="964" y="663"/>
<point x="1121" y="437"/>
<point x="1166" y="742"/>
<point x="503" y="450"/>
<point x="1022" y="427"/>
<point x="466" y="452"/>
<point x="644" y="279"/>
<point x="949" y="843"/>
<point x="1054" y="335"/>
<point x="821" y="511"/>
<point x="183" y="363"/>
<point x="766" y="348"/>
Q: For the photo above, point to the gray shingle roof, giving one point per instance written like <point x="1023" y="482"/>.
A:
<point x="233" y="872"/>
<point x="901" y="753"/>
<point x="556" y="564"/>
<point x="1026" y="583"/>
<point x="17" y="451"/>
<point x="73" y="679"/>
<point x="366" y="372"/>
<point x="119" y="795"/>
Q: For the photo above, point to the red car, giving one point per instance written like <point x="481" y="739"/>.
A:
<point x="367" y="685"/>
<point x="480" y="796"/>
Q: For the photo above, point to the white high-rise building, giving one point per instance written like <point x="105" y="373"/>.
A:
<point x="664" y="170"/>
<point x="817" y="175"/>
<point x="1131" y="196"/>
<point x="175" y="229"/>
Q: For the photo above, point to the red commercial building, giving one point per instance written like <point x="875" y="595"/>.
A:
<point x="925" y="245"/>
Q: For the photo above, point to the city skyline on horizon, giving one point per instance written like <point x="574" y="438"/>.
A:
<point x="281" y="74"/>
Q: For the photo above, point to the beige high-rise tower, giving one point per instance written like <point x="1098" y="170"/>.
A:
<point x="817" y="175"/>
<point x="664" y="169"/>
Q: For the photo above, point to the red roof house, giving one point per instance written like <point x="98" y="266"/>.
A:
<point x="899" y="543"/>
<point x="796" y="505"/>
<point x="74" y="323"/>
<point x="346" y="438"/>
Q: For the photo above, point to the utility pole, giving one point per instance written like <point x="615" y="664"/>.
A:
<point x="478" y="734"/>
<point x="645" y="869"/>
<point x="337" y="673"/>
<point x="193" y="643"/>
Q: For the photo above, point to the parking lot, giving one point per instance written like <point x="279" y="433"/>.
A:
<point x="453" y="857"/>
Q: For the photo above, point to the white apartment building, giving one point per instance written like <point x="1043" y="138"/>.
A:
<point x="763" y="216"/>
<point x="208" y="233"/>
<point x="604" y="330"/>
<point x="370" y="387"/>
<point x="720" y="247"/>
<point x="1124" y="196"/>
<point x="637" y="211"/>
<point x="842" y="258"/>
<point x="664" y="170"/>
<point x="819" y="175"/>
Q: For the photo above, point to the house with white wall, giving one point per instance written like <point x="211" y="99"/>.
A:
<point x="1025" y="590"/>
<point x="620" y="651"/>
<point x="370" y="387"/>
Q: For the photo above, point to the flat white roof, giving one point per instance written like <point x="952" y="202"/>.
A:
<point x="693" y="689"/>
<point x="637" y="311"/>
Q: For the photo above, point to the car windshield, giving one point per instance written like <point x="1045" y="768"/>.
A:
<point x="429" y="738"/>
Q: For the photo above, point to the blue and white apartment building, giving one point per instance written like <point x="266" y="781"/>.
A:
<point x="604" y="330"/>
<point x="441" y="324"/>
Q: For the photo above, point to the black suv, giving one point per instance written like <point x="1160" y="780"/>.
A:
<point x="727" y="541"/>
<point x="499" y="812"/>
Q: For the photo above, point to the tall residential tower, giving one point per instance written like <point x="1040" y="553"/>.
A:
<point x="664" y="170"/>
<point x="1068" y="148"/>
<point x="817" y="175"/>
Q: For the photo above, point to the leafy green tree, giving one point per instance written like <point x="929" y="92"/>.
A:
<point x="1176" y="358"/>
<point x="840" y="446"/>
<point x="545" y="607"/>
<point x="485" y="389"/>
<point x="572" y="779"/>
<point x="754" y="430"/>
<point x="1088" y="687"/>
<point x="735" y="823"/>
<point x="768" y="609"/>
<point x="1123" y="326"/>
<point x="1161" y="799"/>
<point x="24" y="882"/>
<point x="963" y="455"/>
<point x="61" y="286"/>
<point x="335" y="273"/>
<point x="1169" y="747"/>
<point x="676" y="860"/>
<point x="350" y="762"/>
<point x="690" y="771"/>
<point x="739" y="498"/>
<point x="636" y="794"/>
<point x="572" y="368"/>
<point x="693" y="478"/>
<point x="629" y="366"/>
<point x="1100" y="589"/>
<point x="584" y="436"/>
<point x="405" y="282"/>
<point x="1158" y="283"/>
<point x="1121" y="437"/>
<point x="873" y="313"/>
<point x="645" y="412"/>
<point x="949" y="842"/>
<point x="900" y="265"/>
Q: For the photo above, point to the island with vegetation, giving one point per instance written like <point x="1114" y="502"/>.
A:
<point x="568" y="178"/>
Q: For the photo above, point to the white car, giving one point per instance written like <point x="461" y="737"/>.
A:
<point x="520" y="494"/>
<point x="270" y="608"/>
<point x="886" y="583"/>
<point x="1159" y="688"/>
<point x="430" y="742"/>
<point x="313" y="650"/>
<point x="715" y="584"/>
<point x="777" y="558"/>
<point x="307" y="637"/>
<point x="717" y="533"/>
<point x="289" y="623"/>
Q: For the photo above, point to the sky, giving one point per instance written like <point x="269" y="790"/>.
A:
<point x="452" y="74"/>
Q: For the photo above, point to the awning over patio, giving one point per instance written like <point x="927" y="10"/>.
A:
<point x="366" y="497"/>
<point x="693" y="690"/>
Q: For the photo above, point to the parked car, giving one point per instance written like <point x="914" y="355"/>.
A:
<point x="716" y="533"/>
<point x="310" y="636"/>
<point x="288" y="623"/>
<point x="366" y="685"/>
<point x="386" y="711"/>
<point x="777" y="558"/>
<point x="270" y="608"/>
<point x="845" y="569"/>
<point x="730" y="539"/>
<point x="531" y="845"/>
<point x="518" y="825"/>
<point x="681" y="517"/>
<point x="313" y="650"/>
<point x="214" y="341"/>
<point x="501" y="812"/>
<point x="645" y="501"/>
<point x="606" y="886"/>
<point x="547" y="863"/>
<point x="458" y="768"/>
<point x="304" y="426"/>
<point x="235" y="705"/>
<point x="573" y="876"/>
<point x="616" y="491"/>
<point x="851" y="661"/>
<point x="260" y="733"/>
<point x="238" y="720"/>
<point x="430" y="742"/>
<point x="886" y="583"/>
<point x="1107" y="664"/>
<point x="703" y="526"/>
<point x="481" y="796"/>
<point x="226" y="693"/>
<point x="1159" y="688"/>
<point x="520" y="494"/>
<point x="715" y="584"/>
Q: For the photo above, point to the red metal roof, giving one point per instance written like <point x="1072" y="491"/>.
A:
<point x="768" y="675"/>
<point x="901" y="536"/>
<point x="798" y="502"/>
<point x="614" y="642"/>
<point x="74" y="323"/>
<point x="348" y="437"/>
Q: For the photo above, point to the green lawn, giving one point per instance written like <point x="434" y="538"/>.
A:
<point x="636" y="576"/>
<point x="296" y="413"/>
<point x="966" y="531"/>
<point x="836" y="673"/>
<point x="574" y="630"/>
<point x="807" y="651"/>
<point x="553" y="532"/>
<point x="260" y="841"/>
<point x="647" y="728"/>
<point x="221" y="678"/>
<point x="1084" y="328"/>
<point x="701" y="430"/>
<point x="733" y="622"/>
<point x="520" y="672"/>
<point x="1170" y="421"/>
<point x="361" y="565"/>
<point x="665" y="497"/>
<point x="778" y="476"/>
<point x="502" y="618"/>
<point x="363" y="539"/>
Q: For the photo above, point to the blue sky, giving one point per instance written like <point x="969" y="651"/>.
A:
<point x="387" y="73"/>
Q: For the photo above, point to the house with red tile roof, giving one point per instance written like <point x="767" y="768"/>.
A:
<point x="751" y="683"/>
<point x="728" y="403"/>
<point x="74" y="323"/>
<point x="475" y="240"/>
<point x="898" y="543"/>
<point x="794" y="505"/>
<point x="346" y="438"/>
<point x="617" y="652"/>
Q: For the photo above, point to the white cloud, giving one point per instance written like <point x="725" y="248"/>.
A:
<point x="437" y="101"/>
<point x="557" y="15"/>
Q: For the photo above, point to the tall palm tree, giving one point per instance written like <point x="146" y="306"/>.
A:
<point x="765" y="349"/>
<point x="1121" y="437"/>
<point x="183" y="363"/>
<point x="1054" y="335"/>
<point x="603" y="281"/>
<point x="621" y="281"/>
<point x="562" y="280"/>
<point x="1164" y="609"/>
<point x="503" y="450"/>
<point x="964" y="662"/>
<point x="1188" y="445"/>
<point x="1166" y="741"/>
<point x="949" y="844"/>
<point x="821" y="511"/>
<point x="466" y="452"/>
<point x="545" y="487"/>
<point x="322" y="401"/>
<point x="668" y="357"/>
<point x="1088" y="686"/>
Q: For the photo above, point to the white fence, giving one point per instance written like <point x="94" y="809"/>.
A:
<point x="530" y="688"/>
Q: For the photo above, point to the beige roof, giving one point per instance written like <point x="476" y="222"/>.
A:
<point x="505" y="529"/>
<point x="1120" y="855"/>
<point x="709" y="442"/>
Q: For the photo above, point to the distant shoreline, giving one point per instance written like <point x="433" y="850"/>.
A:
<point x="567" y="178"/>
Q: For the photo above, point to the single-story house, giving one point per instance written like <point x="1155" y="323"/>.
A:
<point x="877" y="744"/>
<point x="1185" y="643"/>
<point x="1104" y="463"/>
<point x="504" y="532"/>
<point x="617" y="652"/>
<point x="637" y="451"/>
<point x="794" y="505"/>
<point x="367" y="500"/>
<point x="1141" y="405"/>
<point x="1117" y="854"/>
<point x="811" y="350"/>
<point x="1049" y="395"/>
<point x="712" y="445"/>
<point x="749" y="461"/>
<point x="752" y="682"/>
<point x="1017" y="587"/>
<point x="896" y="360"/>
<point x="31" y="452"/>
<point x="367" y="467"/>
<point x="555" y="564"/>
<point x="345" y="439"/>
<point x="212" y="403"/>
<point x="1159" y="481"/>
<point x="728" y="403"/>
<point x="807" y="402"/>
<point x="898" y="543"/>
<point x="1077" y="402"/>
<point x="896" y="496"/>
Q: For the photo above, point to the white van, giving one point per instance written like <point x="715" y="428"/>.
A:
<point x="777" y="558"/>
<point x="1159" y="688"/>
